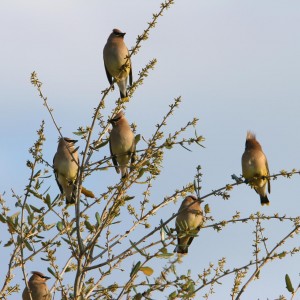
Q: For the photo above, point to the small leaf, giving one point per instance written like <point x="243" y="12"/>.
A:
<point x="51" y="271"/>
<point x="127" y="198"/>
<point x="136" y="248"/>
<point x="47" y="200"/>
<point x="135" y="269"/>
<point x="207" y="209"/>
<point x="282" y="255"/>
<point x="147" y="271"/>
<point x="137" y="138"/>
<point x="97" y="215"/>
<point x="87" y="193"/>
<point x="67" y="241"/>
<point x="36" y="209"/>
<point x="101" y="145"/>
<point x="288" y="283"/>
<point x="10" y="242"/>
<point x="59" y="226"/>
<point x="141" y="173"/>
<point x="89" y="226"/>
<point x="28" y="245"/>
<point x="45" y="259"/>
<point x="2" y="219"/>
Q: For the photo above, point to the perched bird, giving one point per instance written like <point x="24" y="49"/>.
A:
<point x="38" y="287"/>
<point x="65" y="168"/>
<point x="114" y="56"/>
<point x="255" y="164"/>
<point x="121" y="143"/>
<point x="190" y="218"/>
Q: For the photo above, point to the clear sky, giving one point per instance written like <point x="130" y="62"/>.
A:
<point x="236" y="65"/>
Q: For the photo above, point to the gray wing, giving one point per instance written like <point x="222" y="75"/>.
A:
<point x="269" y="183"/>
<point x="56" y="177"/>
<point x="114" y="159"/>
<point x="130" y="75"/>
<point x="109" y="77"/>
<point x="132" y="151"/>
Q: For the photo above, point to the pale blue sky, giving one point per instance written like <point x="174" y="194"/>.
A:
<point x="235" y="64"/>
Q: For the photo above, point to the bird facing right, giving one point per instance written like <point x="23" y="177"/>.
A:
<point x="255" y="164"/>
<point x="190" y="218"/>
<point x="121" y="143"/>
<point x="38" y="287"/>
<point x="115" y="55"/>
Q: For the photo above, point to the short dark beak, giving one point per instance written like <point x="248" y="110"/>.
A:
<point x="47" y="278"/>
<point x="122" y="34"/>
<point x="74" y="141"/>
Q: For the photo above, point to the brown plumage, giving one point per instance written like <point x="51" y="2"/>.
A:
<point x="114" y="56"/>
<point x="121" y="143"/>
<point x="65" y="168"/>
<point x="255" y="164"/>
<point x="38" y="287"/>
<point x="190" y="218"/>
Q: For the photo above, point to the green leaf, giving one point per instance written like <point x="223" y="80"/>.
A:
<point x="288" y="283"/>
<point x="101" y="145"/>
<point x="36" y="209"/>
<point x="97" y="215"/>
<point x="89" y="226"/>
<point x="28" y="245"/>
<point x="141" y="173"/>
<point x="59" y="226"/>
<point x="282" y="255"/>
<point x="51" y="271"/>
<point x="2" y="219"/>
<point x="47" y="200"/>
<point x="135" y="269"/>
<point x="137" y="138"/>
<point x="127" y="198"/>
<point x="67" y="241"/>
<point x="173" y="295"/>
<point x="136" y="248"/>
<point x="207" y="209"/>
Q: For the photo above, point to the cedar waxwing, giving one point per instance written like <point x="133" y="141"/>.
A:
<point x="38" y="287"/>
<point x="114" y="56"/>
<point x="255" y="164"/>
<point x="121" y="143"/>
<point x="191" y="218"/>
<point x="65" y="168"/>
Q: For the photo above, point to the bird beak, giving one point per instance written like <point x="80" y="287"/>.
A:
<point x="74" y="141"/>
<point x="122" y="34"/>
<point x="47" y="278"/>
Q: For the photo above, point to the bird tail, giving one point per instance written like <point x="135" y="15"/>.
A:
<point x="71" y="198"/>
<point x="122" y="95"/>
<point x="181" y="249"/>
<point x="264" y="200"/>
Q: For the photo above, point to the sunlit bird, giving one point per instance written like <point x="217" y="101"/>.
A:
<point x="190" y="219"/>
<point x="255" y="164"/>
<point x="65" y="165"/>
<point x="114" y="56"/>
<point x="121" y="143"/>
<point x="38" y="287"/>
